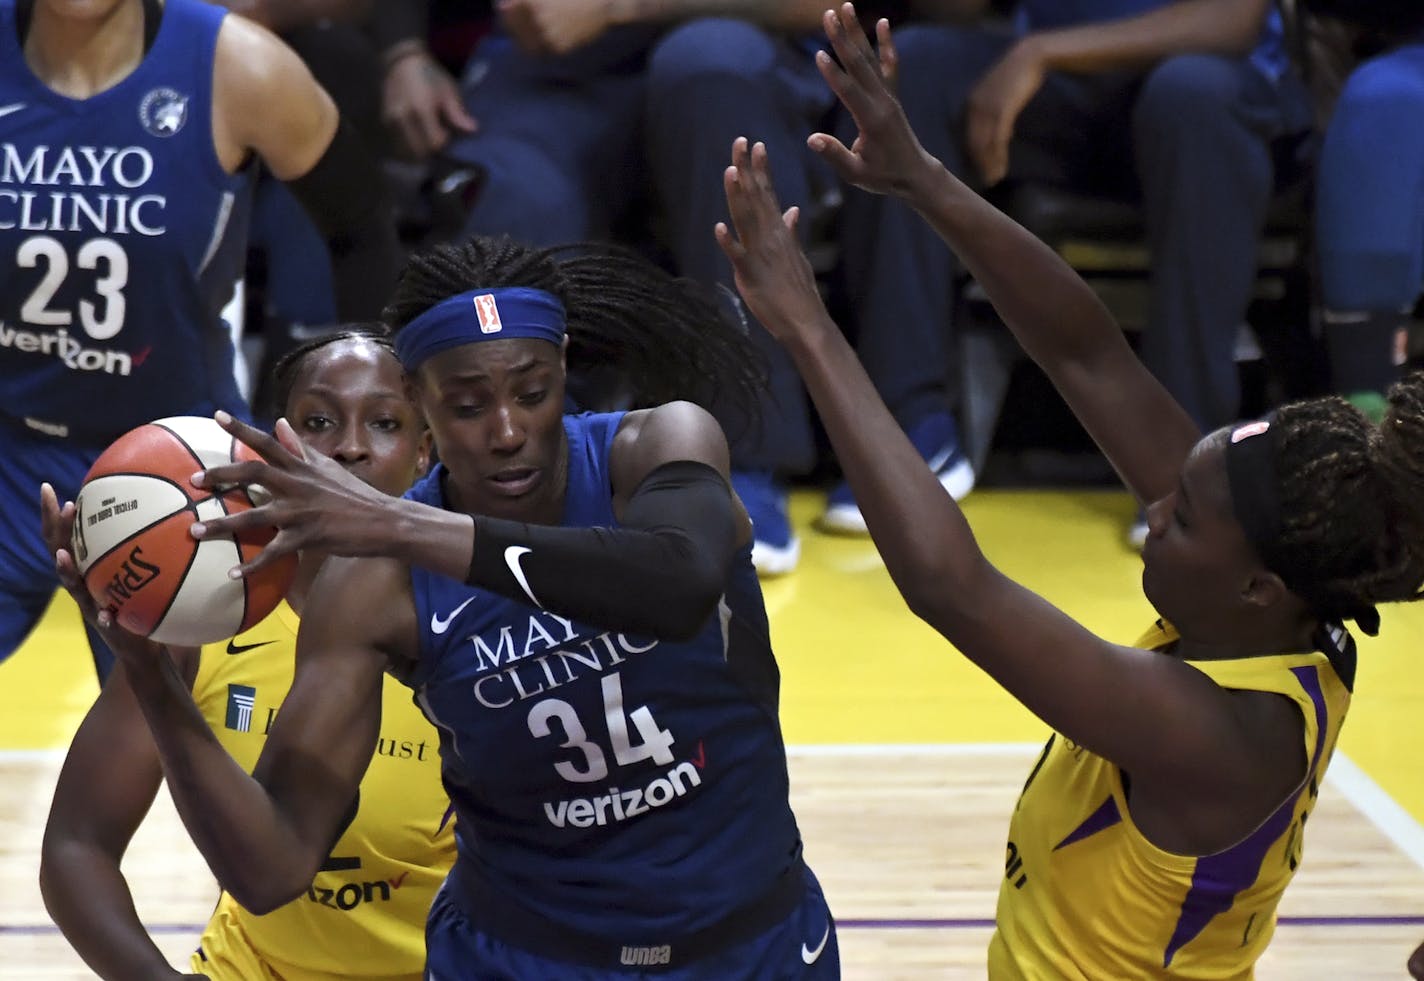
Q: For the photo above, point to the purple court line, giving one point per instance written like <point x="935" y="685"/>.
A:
<point x="973" y="924"/>
<point x="41" y="929"/>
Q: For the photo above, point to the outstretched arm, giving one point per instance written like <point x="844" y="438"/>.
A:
<point x="1052" y="313"/>
<point x="107" y="784"/>
<point x="1158" y="717"/>
<point x="265" y="835"/>
<point x="660" y="572"/>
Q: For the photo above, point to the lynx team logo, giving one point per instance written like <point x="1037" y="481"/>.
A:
<point x="163" y="112"/>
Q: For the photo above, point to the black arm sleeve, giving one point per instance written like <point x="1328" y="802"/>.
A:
<point x="344" y="194"/>
<point x="661" y="574"/>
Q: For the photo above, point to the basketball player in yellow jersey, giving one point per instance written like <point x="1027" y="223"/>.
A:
<point x="1155" y="836"/>
<point x="363" y="916"/>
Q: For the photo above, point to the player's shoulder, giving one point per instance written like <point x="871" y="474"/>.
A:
<point x="648" y="438"/>
<point x="674" y="420"/>
<point x="253" y="64"/>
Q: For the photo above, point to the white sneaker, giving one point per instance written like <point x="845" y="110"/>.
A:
<point x="842" y="514"/>
<point x="1137" y="532"/>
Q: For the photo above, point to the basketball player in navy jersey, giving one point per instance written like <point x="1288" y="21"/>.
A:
<point x="572" y="599"/>
<point x="127" y="133"/>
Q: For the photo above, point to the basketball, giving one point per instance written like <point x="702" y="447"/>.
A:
<point x="132" y="545"/>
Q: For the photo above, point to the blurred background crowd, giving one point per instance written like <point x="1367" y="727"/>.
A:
<point x="1241" y="180"/>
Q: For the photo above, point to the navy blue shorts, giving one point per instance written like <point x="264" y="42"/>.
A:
<point x="802" y="947"/>
<point x="27" y="578"/>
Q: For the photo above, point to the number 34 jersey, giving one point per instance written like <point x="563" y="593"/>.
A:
<point x="121" y="238"/>
<point x="605" y="781"/>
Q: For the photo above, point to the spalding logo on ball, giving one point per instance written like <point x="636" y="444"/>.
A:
<point x="132" y="545"/>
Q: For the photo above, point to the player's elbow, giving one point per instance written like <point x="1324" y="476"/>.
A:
<point x="688" y="599"/>
<point x="942" y="588"/>
<point x="261" y="885"/>
<point x="261" y="894"/>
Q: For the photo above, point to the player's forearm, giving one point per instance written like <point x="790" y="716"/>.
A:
<point x="89" y="900"/>
<point x="1052" y="312"/>
<point x="661" y="575"/>
<point x="238" y="827"/>
<point x="786" y="15"/>
<point x="919" y="530"/>
<point x="1228" y="27"/>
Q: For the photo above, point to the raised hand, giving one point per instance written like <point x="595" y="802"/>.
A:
<point x="886" y="156"/>
<point x="57" y="527"/>
<point x="312" y="501"/>
<point x="772" y="273"/>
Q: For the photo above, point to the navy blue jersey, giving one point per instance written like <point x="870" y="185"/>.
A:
<point x="121" y="237"/>
<point x="613" y="784"/>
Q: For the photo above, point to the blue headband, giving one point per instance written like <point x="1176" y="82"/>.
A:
<point x="480" y="315"/>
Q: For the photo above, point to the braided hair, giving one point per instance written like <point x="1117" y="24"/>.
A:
<point x="289" y="367"/>
<point x="1352" y="503"/>
<point x="666" y="338"/>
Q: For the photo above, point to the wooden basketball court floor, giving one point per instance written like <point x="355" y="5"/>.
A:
<point x="905" y="762"/>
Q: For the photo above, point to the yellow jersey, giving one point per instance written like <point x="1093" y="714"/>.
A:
<point x="1086" y="896"/>
<point x="364" y="914"/>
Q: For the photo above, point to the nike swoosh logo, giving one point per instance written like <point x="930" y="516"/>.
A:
<point x="233" y="648"/>
<point x="439" y="626"/>
<point x="811" y="956"/>
<point x="513" y="555"/>
<point x="13" y="107"/>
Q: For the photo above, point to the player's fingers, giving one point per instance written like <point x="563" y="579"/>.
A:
<point x="49" y="514"/>
<point x="242" y="474"/>
<point x="889" y="57"/>
<point x="853" y="48"/>
<point x="237" y="523"/>
<point x="741" y="153"/>
<point x="733" y="249"/>
<point x="288" y="438"/>
<point x="737" y="184"/>
<point x="791" y="218"/>
<point x="761" y="172"/>
<point x="264" y="444"/>
<point x="839" y="82"/>
<point x="845" y="163"/>
<point x="283" y="544"/>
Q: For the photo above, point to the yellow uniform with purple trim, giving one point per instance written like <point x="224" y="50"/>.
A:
<point x="1086" y="896"/>
<point x="364" y="914"/>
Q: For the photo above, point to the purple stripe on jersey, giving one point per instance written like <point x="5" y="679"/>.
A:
<point x="1103" y="818"/>
<point x="1218" y="878"/>
<point x="449" y="813"/>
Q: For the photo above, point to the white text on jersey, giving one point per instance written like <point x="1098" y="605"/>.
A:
<point x="621" y="805"/>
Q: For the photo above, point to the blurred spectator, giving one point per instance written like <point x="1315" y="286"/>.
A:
<point x="1370" y="195"/>
<point x="1183" y="102"/>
